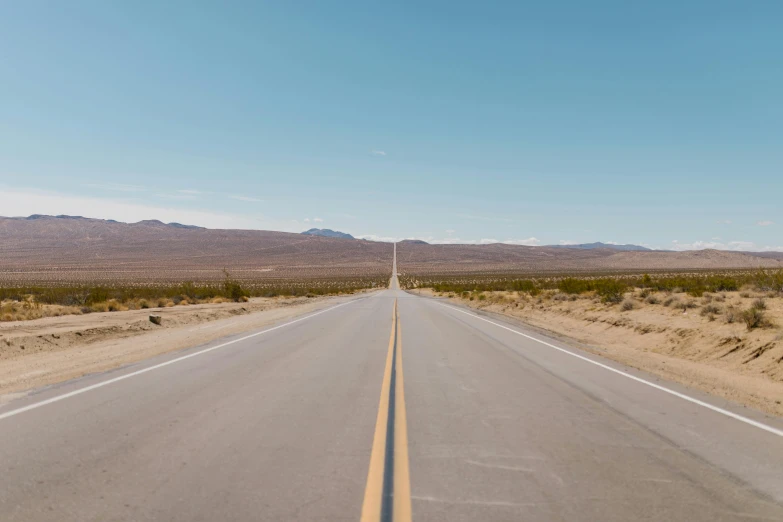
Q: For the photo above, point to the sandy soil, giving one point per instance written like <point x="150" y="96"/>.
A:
<point x="55" y="349"/>
<point x="721" y="358"/>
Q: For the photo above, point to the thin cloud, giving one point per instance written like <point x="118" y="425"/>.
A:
<point x="724" y="222"/>
<point x="733" y="246"/>
<point x="318" y="220"/>
<point x="189" y="191"/>
<point x="485" y="218"/>
<point x="375" y="152"/>
<point x="24" y="202"/>
<point x="531" y="241"/>
<point x="247" y="199"/>
<point x="182" y="197"/>
<point x="116" y="187"/>
<point x="764" y="223"/>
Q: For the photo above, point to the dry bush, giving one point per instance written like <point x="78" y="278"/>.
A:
<point x="754" y="318"/>
<point x="759" y="304"/>
<point x="627" y="305"/>
<point x="710" y="309"/>
<point x="652" y="299"/>
<point x="732" y="315"/>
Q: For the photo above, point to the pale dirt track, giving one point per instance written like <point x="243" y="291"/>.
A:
<point x="55" y="349"/>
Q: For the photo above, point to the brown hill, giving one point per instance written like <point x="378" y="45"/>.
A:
<point x="418" y="259"/>
<point x="46" y="249"/>
<point x="63" y="249"/>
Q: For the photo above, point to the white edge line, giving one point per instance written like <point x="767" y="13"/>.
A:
<point x="707" y="405"/>
<point x="161" y="365"/>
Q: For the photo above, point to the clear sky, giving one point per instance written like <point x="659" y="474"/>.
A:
<point x="656" y="123"/>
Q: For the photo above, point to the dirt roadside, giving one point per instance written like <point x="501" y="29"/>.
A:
<point x="55" y="349"/>
<point x="684" y="346"/>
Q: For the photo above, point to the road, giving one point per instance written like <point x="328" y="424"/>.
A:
<point x="387" y="407"/>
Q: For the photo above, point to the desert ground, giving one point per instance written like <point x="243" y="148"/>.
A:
<point x="421" y="259"/>
<point x="700" y="342"/>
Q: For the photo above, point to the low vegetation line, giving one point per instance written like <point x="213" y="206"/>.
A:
<point x="37" y="301"/>
<point x="613" y="289"/>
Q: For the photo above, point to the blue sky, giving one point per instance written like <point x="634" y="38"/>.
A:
<point x="527" y="122"/>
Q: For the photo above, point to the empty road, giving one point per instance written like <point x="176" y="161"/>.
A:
<point x="385" y="407"/>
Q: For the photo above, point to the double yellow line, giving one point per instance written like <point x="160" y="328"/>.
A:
<point x="387" y="497"/>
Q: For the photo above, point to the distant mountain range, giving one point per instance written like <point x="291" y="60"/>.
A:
<point x="146" y="222"/>
<point x="325" y="232"/>
<point x="78" y="250"/>
<point x="592" y="246"/>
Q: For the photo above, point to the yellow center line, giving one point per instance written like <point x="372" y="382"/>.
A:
<point x="402" y="480"/>
<point x="387" y="494"/>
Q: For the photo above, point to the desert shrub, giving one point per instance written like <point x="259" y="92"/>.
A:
<point x="745" y="294"/>
<point x="560" y="297"/>
<point x="671" y="301"/>
<point x="610" y="290"/>
<point x="753" y="318"/>
<point x="710" y="309"/>
<point x="644" y="294"/>
<point x="652" y="299"/>
<point x="732" y="315"/>
<point x="571" y="285"/>
<point x="113" y="306"/>
<point x="685" y="305"/>
<point x="759" y="304"/>
<point x="627" y="305"/>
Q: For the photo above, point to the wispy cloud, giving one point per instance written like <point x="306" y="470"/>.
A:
<point x="306" y="220"/>
<point x="318" y="220"/>
<point x="724" y="222"/>
<point x="24" y="202"/>
<point x="189" y="191"/>
<point x="247" y="199"/>
<point x="764" y="223"/>
<point x="176" y="196"/>
<point x="116" y="187"/>
<point x="735" y="246"/>
<point x="485" y="218"/>
<point x="376" y="152"/>
<point x="531" y="241"/>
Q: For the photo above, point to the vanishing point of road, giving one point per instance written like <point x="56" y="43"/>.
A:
<point x="385" y="407"/>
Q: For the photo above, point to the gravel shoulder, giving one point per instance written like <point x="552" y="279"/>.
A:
<point x="55" y="349"/>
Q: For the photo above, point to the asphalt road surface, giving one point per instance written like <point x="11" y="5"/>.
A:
<point x="387" y="407"/>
